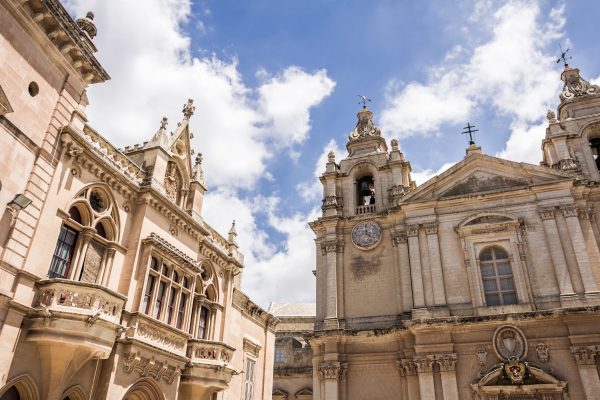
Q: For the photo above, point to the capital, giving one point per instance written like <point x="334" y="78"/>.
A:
<point x="332" y="246"/>
<point x="331" y="370"/>
<point x="569" y="211"/>
<point x="398" y="238"/>
<point x="447" y="362"/>
<point x="585" y="355"/>
<point x="431" y="228"/>
<point x="409" y="367"/>
<point x="546" y="213"/>
<point x="424" y="364"/>
<point x="412" y="230"/>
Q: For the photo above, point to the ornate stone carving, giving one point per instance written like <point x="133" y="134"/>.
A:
<point x="332" y="370"/>
<point x="409" y="366"/>
<point x="585" y="355"/>
<point x="481" y="355"/>
<point x="543" y="354"/>
<point x="394" y="143"/>
<point x="332" y="246"/>
<point x="133" y="361"/>
<point x="366" y="234"/>
<point x="575" y="86"/>
<point x="431" y="228"/>
<point x="569" y="211"/>
<point x="154" y="334"/>
<point x="332" y="202"/>
<point x="412" y="230"/>
<point x="424" y="364"/>
<point x="365" y="126"/>
<point x="551" y="116"/>
<point x="509" y="341"/>
<point x="395" y="192"/>
<point x="331" y="156"/>
<point x="172" y="182"/>
<point x="87" y="24"/>
<point x="568" y="164"/>
<point x="447" y="362"/>
<point x="199" y="350"/>
<point x="188" y="109"/>
<point x="399" y="237"/>
<point x="546" y="213"/>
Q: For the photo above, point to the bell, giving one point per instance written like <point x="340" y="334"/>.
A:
<point x="364" y="189"/>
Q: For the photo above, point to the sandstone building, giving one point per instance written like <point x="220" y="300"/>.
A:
<point x="111" y="284"/>
<point x="481" y="283"/>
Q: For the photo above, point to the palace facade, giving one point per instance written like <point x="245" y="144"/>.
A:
<point x="481" y="283"/>
<point x="112" y="286"/>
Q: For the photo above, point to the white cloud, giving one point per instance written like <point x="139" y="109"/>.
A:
<point x="313" y="189"/>
<point x="153" y="72"/>
<point x="511" y="73"/>
<point x="420" y="177"/>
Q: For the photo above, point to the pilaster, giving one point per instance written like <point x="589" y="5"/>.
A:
<point x="447" y="363"/>
<point x="409" y="371"/>
<point x="331" y="373"/>
<point x="437" y="275"/>
<point x="425" y="370"/>
<point x="585" y="357"/>
<point x="400" y="240"/>
<point x="412" y="232"/>
<point x="330" y="249"/>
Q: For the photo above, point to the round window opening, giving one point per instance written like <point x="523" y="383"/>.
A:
<point x="33" y="89"/>
<point x="98" y="201"/>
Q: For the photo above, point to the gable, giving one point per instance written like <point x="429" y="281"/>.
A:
<point x="482" y="182"/>
<point x="5" y="107"/>
<point x="480" y="173"/>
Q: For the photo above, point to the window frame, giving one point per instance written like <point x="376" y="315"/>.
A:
<point x="497" y="277"/>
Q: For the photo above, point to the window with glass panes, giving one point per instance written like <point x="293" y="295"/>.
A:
<point x="202" y="322"/>
<point x="279" y="355"/>
<point x="249" y="384"/>
<point x="166" y="293"/>
<point x="497" y="277"/>
<point x="63" y="253"/>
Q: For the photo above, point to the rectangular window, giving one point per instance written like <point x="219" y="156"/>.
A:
<point x="202" y="323"/>
<point x="159" y="300"/>
<point x="63" y="253"/>
<point x="92" y="262"/>
<point x="148" y="294"/>
<point x="181" y="310"/>
<point x="249" y="385"/>
<point x="279" y="355"/>
<point x="171" y="305"/>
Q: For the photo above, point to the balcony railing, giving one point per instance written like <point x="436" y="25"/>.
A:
<point x="366" y="209"/>
<point x="66" y="296"/>
<point x="208" y="352"/>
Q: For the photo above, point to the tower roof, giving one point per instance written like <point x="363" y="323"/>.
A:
<point x="366" y="137"/>
<point x="575" y="86"/>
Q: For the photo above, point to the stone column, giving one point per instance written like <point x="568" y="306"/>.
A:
<point x="556" y="253"/>
<point x="447" y="363"/>
<point x="330" y="373"/>
<point x="400" y="240"/>
<point x="109" y="258"/>
<point x="330" y="249"/>
<point x="581" y="254"/>
<point x="437" y="276"/>
<point x="87" y="234"/>
<point x="425" y="369"/>
<point x="415" y="266"/>
<point x="585" y="357"/>
<point x="412" y="381"/>
<point x="213" y="321"/>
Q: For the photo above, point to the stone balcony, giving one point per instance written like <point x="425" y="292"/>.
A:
<point x="72" y="322"/>
<point x="209" y="370"/>
<point x="366" y="209"/>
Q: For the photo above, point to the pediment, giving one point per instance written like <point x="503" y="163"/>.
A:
<point x="304" y="392"/>
<point x="480" y="173"/>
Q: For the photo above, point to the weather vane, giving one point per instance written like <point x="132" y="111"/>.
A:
<point x="563" y="56"/>
<point x="364" y="100"/>
<point x="470" y="131"/>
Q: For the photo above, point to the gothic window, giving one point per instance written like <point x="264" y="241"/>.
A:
<point x="90" y="225"/>
<point x="166" y="293"/>
<point x="497" y="277"/>
<point x="249" y="384"/>
<point x="205" y="297"/>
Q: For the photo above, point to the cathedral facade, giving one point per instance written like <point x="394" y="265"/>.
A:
<point x="482" y="283"/>
<point x="112" y="286"/>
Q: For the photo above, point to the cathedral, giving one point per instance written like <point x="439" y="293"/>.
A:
<point x="481" y="283"/>
<point x="112" y="285"/>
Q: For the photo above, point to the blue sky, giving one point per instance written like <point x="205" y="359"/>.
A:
<point x="276" y="84"/>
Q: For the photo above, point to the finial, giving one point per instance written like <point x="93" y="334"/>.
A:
<point x="394" y="143"/>
<point x="363" y="100"/>
<point x="164" y="122"/>
<point x="551" y="116"/>
<point x="188" y="109"/>
<point x="470" y="131"/>
<point x="232" y="233"/>
<point x="563" y="56"/>
<point x="331" y="156"/>
<point x="87" y="25"/>
<point x="199" y="159"/>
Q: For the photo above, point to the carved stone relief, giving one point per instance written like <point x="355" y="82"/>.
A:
<point x="509" y="341"/>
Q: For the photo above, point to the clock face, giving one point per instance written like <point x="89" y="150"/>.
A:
<point x="366" y="234"/>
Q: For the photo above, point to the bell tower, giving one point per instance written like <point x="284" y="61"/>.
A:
<point x="572" y="142"/>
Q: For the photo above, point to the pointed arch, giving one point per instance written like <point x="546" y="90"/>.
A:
<point x="144" y="389"/>
<point x="111" y="212"/>
<point x="75" y="393"/>
<point x="24" y="385"/>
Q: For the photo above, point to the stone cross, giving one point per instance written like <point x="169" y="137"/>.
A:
<point x="470" y="131"/>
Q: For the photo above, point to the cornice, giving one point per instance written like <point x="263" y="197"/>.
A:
<point x="172" y="251"/>
<point x="254" y="311"/>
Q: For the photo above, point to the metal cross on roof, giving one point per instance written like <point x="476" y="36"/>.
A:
<point x="470" y="131"/>
<point x="363" y="100"/>
<point x="563" y="56"/>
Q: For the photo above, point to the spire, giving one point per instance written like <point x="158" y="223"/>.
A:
<point x="87" y="25"/>
<point x="197" y="172"/>
<point x="575" y="86"/>
<point x="160" y="138"/>
<point x="232" y="235"/>
<point x="188" y="109"/>
<point x="365" y="138"/>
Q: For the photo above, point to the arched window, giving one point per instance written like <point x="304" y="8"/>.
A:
<point x="11" y="394"/>
<point x="365" y="191"/>
<point x="595" y="145"/>
<point x="497" y="277"/>
<point x="204" y="316"/>
<point x="166" y="293"/>
<point x="80" y="251"/>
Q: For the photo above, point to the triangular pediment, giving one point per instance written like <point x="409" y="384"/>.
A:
<point x="480" y="173"/>
<point x="304" y="391"/>
<point x="180" y="147"/>
<point x="5" y="107"/>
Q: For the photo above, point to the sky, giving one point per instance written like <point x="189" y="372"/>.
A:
<point x="276" y="84"/>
